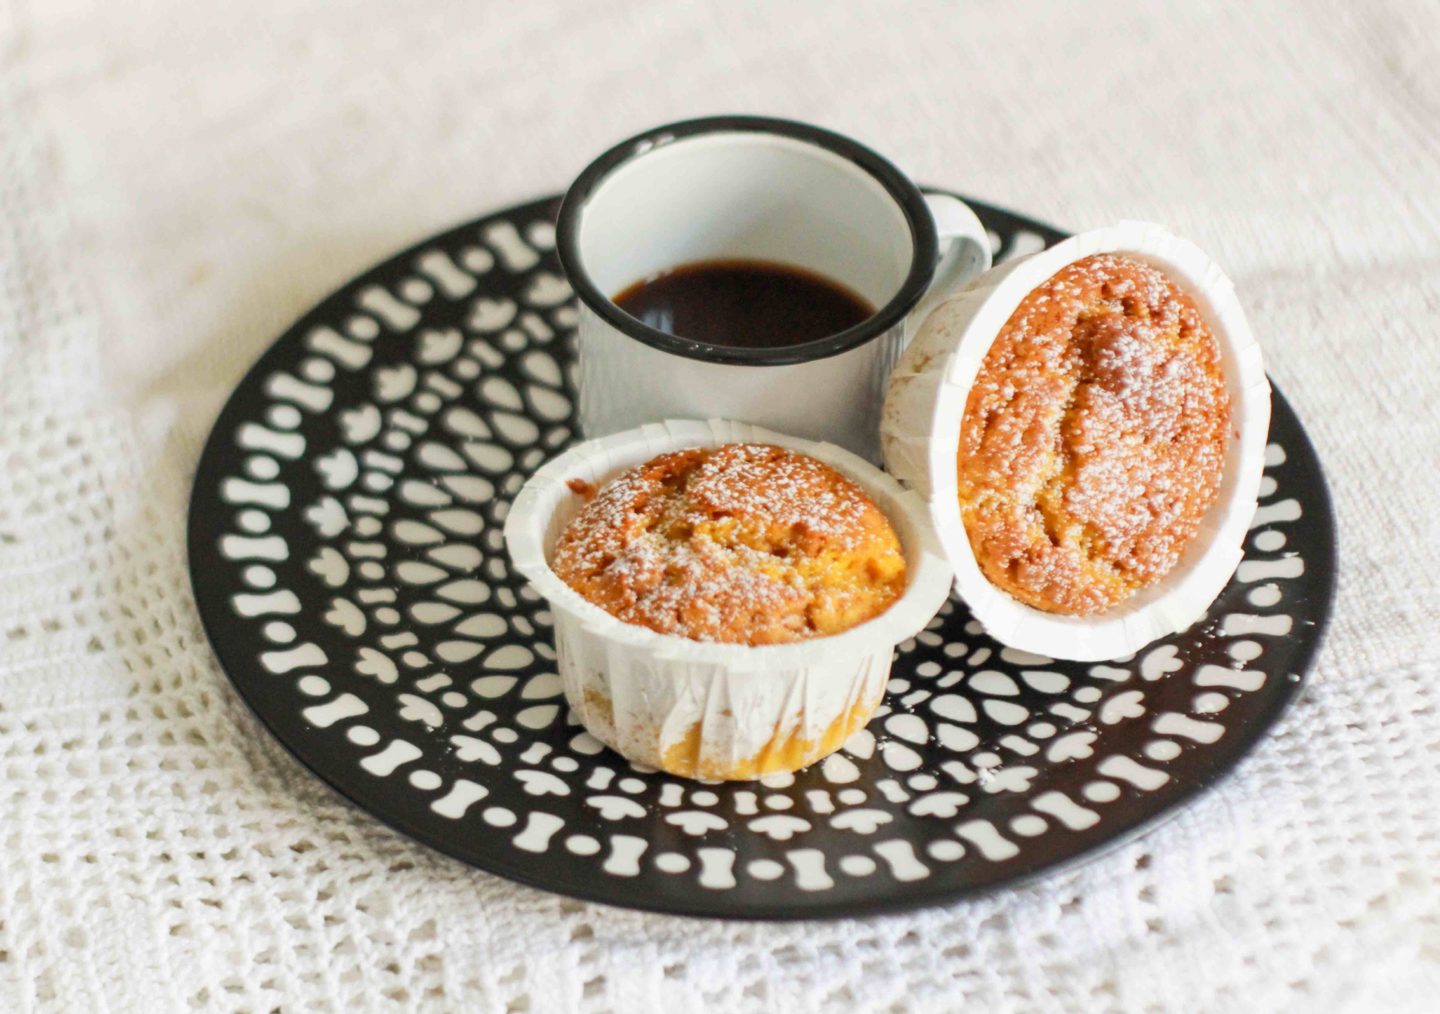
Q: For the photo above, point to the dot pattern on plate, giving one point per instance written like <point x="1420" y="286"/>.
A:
<point x="345" y="537"/>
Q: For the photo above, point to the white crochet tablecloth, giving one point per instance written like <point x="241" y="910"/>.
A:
<point x="178" y="181"/>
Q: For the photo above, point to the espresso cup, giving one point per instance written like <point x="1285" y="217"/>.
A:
<point x="753" y="188"/>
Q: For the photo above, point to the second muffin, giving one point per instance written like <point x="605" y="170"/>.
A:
<point x="1094" y="437"/>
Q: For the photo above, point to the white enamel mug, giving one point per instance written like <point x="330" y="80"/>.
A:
<point x="741" y="187"/>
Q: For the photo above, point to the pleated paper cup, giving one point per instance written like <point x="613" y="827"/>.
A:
<point x="704" y="709"/>
<point x="925" y="405"/>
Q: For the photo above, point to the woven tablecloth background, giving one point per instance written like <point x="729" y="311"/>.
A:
<point x="178" y="181"/>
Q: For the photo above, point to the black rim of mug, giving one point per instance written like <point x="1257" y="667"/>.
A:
<point x="904" y="192"/>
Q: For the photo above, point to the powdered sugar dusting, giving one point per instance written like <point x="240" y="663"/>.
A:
<point x="1094" y="437"/>
<point x="744" y="543"/>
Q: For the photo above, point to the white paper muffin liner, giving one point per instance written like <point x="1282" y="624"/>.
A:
<point x="720" y="705"/>
<point x="925" y="404"/>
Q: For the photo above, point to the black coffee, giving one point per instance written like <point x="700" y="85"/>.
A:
<point x="743" y="303"/>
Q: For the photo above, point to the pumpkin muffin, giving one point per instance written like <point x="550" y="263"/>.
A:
<point x="1093" y="440"/>
<point x="740" y="544"/>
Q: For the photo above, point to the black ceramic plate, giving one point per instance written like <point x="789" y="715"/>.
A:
<point x="345" y="550"/>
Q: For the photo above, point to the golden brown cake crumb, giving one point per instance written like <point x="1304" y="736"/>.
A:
<point x="1094" y="437"/>
<point x="744" y="544"/>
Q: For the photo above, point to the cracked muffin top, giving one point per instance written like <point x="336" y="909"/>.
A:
<point x="741" y="544"/>
<point x="1093" y="440"/>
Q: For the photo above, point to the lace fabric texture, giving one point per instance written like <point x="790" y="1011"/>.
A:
<point x="178" y="182"/>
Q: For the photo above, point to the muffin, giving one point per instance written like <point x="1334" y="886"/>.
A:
<point x="726" y="600"/>
<point x="742" y="544"/>
<point x="1087" y="426"/>
<point x="1093" y="439"/>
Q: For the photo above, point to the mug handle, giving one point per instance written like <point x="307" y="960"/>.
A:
<point x="964" y="253"/>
